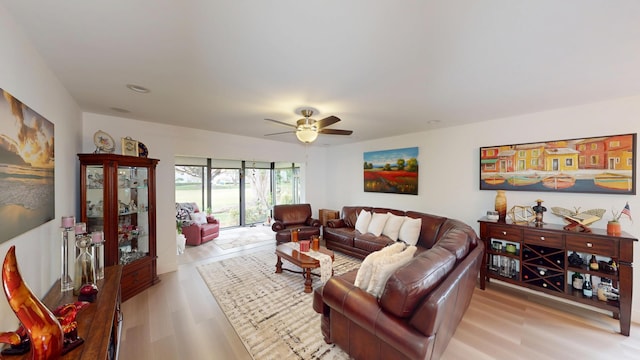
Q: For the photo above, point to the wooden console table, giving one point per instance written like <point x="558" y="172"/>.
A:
<point x="537" y="258"/>
<point x="99" y="323"/>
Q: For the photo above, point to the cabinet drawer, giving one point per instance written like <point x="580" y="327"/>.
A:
<point x="544" y="238"/>
<point x="605" y="247"/>
<point x="505" y="233"/>
<point x="137" y="276"/>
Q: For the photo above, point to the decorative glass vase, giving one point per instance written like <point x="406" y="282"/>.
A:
<point x="67" y="252"/>
<point x="85" y="267"/>
<point x="501" y="205"/>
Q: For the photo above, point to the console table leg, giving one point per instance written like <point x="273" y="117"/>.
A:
<point x="307" y="280"/>
<point x="626" y="287"/>
<point x="279" y="266"/>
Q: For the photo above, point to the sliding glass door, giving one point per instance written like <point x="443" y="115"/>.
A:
<point x="236" y="192"/>
<point x="287" y="183"/>
<point x="225" y="196"/>
<point x="258" y="197"/>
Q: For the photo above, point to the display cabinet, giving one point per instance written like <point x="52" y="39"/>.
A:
<point x="545" y="258"/>
<point x="118" y="197"/>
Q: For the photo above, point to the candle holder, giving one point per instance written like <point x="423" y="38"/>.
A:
<point x="67" y="252"/>
<point x="97" y="247"/>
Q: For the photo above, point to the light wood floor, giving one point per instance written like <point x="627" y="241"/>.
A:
<point x="179" y="319"/>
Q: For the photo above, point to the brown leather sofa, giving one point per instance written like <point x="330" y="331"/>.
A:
<point x="294" y="217"/>
<point x="422" y="302"/>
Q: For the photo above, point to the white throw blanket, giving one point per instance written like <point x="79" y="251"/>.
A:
<point x="326" y="263"/>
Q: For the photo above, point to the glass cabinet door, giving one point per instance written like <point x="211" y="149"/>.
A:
<point x="133" y="214"/>
<point x="95" y="198"/>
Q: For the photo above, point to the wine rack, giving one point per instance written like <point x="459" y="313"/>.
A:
<point x="539" y="258"/>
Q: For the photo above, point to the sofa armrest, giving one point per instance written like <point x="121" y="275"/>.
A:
<point x="449" y="301"/>
<point x="212" y="220"/>
<point x="277" y="226"/>
<point x="336" y="223"/>
<point x="192" y="233"/>
<point x="313" y="222"/>
<point x="362" y="308"/>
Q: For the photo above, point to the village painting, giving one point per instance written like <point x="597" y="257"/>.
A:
<point x="589" y="165"/>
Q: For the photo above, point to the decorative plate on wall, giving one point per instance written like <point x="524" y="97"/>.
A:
<point x="104" y="142"/>
<point x="142" y="150"/>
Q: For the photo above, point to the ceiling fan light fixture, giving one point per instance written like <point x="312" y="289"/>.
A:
<point x="306" y="134"/>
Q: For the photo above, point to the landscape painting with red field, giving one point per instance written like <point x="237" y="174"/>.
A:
<point x="391" y="171"/>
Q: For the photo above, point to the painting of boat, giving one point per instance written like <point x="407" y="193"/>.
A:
<point x="559" y="181"/>
<point x="523" y="180"/>
<point x="494" y="180"/>
<point x="614" y="181"/>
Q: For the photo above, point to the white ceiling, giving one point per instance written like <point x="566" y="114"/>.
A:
<point x="384" y="67"/>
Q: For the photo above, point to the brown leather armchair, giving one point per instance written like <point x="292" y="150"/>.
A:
<point x="294" y="217"/>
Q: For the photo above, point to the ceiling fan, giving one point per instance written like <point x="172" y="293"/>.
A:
<point x="307" y="129"/>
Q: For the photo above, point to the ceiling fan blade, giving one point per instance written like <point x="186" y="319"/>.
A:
<point x="335" y="132"/>
<point x="280" y="133"/>
<point x="327" y="121"/>
<point x="281" y="123"/>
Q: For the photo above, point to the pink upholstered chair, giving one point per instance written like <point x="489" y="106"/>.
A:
<point x="197" y="227"/>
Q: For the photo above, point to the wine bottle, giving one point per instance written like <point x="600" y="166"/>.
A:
<point x="593" y="263"/>
<point x="587" y="290"/>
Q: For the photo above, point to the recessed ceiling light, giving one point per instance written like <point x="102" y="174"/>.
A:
<point x="120" y="110"/>
<point x="431" y="122"/>
<point x="138" y="88"/>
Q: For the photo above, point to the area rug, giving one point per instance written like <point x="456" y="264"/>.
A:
<point x="270" y="312"/>
<point x="244" y="237"/>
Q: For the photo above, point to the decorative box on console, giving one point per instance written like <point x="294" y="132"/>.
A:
<point x="304" y="245"/>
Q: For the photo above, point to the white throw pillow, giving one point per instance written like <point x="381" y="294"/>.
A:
<point x="392" y="227"/>
<point x="199" y="218"/>
<point x="364" y="272"/>
<point x="377" y="223"/>
<point x="362" y="224"/>
<point x="410" y="230"/>
<point x="385" y="267"/>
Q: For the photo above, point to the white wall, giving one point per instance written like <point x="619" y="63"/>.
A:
<point x="24" y="75"/>
<point x="449" y="166"/>
<point x="165" y="142"/>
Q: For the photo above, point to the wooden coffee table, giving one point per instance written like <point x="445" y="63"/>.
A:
<point x="304" y="261"/>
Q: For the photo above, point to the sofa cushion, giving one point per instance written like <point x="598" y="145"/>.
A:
<point x="199" y="218"/>
<point x="184" y="212"/>
<point x="407" y="286"/>
<point x="376" y="225"/>
<point x="362" y="223"/>
<point x="384" y="266"/>
<point x="392" y="226"/>
<point x="368" y="264"/>
<point x="292" y="214"/>
<point x="410" y="230"/>
<point x="430" y="227"/>
<point x="341" y="235"/>
<point x="456" y="241"/>
<point x="350" y="214"/>
<point x="370" y="242"/>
